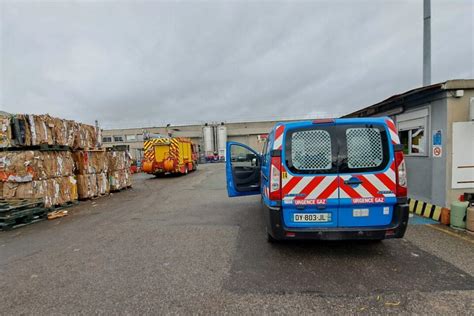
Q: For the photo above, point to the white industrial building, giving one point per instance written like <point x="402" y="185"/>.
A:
<point x="211" y="137"/>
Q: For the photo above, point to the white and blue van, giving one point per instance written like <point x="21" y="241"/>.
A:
<point x="326" y="179"/>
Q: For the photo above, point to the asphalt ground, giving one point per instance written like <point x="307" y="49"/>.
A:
<point x="180" y="245"/>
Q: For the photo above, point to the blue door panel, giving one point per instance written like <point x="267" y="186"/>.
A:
<point x="379" y="214"/>
<point x="231" y="189"/>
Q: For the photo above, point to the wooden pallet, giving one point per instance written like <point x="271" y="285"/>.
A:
<point x="41" y="147"/>
<point x="118" y="148"/>
<point x="95" y="149"/>
<point x="16" y="213"/>
<point x="62" y="206"/>
<point x="121" y="189"/>
<point x="20" y="212"/>
<point x="94" y="197"/>
<point x="8" y="205"/>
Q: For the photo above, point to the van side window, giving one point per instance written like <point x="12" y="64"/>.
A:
<point x="266" y="149"/>
<point x="311" y="150"/>
<point x="364" y="147"/>
<point x="264" y="152"/>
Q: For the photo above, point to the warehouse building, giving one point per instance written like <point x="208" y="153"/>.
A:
<point x="211" y="137"/>
<point x="436" y="127"/>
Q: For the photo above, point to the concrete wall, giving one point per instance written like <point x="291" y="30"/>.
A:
<point x="457" y="111"/>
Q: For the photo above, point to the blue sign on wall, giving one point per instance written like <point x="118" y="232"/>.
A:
<point x="437" y="137"/>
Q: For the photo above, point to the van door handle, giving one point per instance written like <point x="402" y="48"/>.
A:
<point x="352" y="181"/>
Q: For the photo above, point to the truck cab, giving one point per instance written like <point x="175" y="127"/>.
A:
<point x="326" y="179"/>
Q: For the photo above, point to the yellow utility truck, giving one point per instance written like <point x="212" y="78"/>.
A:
<point x="169" y="155"/>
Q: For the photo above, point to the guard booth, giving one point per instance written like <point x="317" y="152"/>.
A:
<point x="436" y="128"/>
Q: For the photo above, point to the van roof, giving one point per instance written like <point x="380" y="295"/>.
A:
<point x="359" y="120"/>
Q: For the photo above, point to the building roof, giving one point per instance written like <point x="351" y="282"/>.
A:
<point x="393" y="103"/>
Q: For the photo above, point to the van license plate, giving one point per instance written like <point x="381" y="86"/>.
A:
<point x="312" y="217"/>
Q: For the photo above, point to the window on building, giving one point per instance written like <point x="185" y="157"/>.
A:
<point x="413" y="141"/>
<point x="118" y="138"/>
<point x="107" y="139"/>
<point x="412" y="128"/>
<point x="140" y="137"/>
<point x="131" y="138"/>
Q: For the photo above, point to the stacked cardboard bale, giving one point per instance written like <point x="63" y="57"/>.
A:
<point x="36" y="159"/>
<point x="119" y="169"/>
<point x="38" y="174"/>
<point x="23" y="130"/>
<point x="57" y="160"/>
<point x="5" y="131"/>
<point x="91" y="169"/>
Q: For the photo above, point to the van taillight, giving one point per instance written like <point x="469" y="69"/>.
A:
<point x="275" y="179"/>
<point x="401" y="174"/>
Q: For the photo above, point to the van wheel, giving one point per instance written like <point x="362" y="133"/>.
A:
<point x="270" y="239"/>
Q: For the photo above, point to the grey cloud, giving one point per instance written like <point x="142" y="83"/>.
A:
<point x="149" y="63"/>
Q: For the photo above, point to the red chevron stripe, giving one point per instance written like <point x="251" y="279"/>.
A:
<point x="310" y="187"/>
<point x="391" y="126"/>
<point x="330" y="189"/>
<point x="370" y="187"/>
<point x="279" y="131"/>
<point x="291" y="184"/>
<point x="349" y="190"/>
<point x="386" y="180"/>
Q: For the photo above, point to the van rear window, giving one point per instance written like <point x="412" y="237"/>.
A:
<point x="364" y="147"/>
<point x="337" y="149"/>
<point x="311" y="150"/>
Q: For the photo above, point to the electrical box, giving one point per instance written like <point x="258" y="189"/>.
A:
<point x="463" y="155"/>
<point x="459" y="93"/>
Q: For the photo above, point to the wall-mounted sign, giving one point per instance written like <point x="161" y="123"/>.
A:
<point x="437" y="143"/>
<point x="438" y="137"/>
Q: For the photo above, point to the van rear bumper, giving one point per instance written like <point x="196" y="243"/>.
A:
<point x="396" y="229"/>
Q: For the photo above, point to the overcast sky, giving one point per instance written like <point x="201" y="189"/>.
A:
<point x="132" y="63"/>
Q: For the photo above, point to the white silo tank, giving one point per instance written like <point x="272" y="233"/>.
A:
<point x="221" y="140"/>
<point x="208" y="136"/>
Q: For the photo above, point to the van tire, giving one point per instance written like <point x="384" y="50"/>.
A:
<point x="270" y="239"/>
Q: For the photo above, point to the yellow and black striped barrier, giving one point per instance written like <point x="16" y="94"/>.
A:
<point x="425" y="209"/>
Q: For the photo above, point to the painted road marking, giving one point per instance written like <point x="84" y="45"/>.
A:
<point x="420" y="220"/>
<point x="436" y="226"/>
